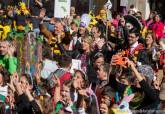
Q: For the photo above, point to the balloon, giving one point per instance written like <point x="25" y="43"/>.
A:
<point x="85" y="20"/>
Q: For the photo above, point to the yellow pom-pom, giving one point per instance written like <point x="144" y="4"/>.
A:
<point x="26" y="12"/>
<point x="18" y="11"/>
<point x="22" y="5"/>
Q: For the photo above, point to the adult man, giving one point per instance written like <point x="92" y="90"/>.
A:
<point x="6" y="57"/>
<point x="59" y="35"/>
<point x="136" y="50"/>
<point x="74" y="41"/>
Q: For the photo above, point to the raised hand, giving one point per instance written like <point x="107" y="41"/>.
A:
<point x="11" y="50"/>
<point x="15" y="78"/>
<point x="11" y="85"/>
<point x="104" y="108"/>
<point x="100" y="43"/>
<point x="83" y="92"/>
<point x="56" y="81"/>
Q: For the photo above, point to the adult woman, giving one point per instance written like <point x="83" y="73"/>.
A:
<point x="158" y="27"/>
<point x="98" y="59"/>
<point x="151" y="48"/>
<point x="123" y="30"/>
<point x="80" y="80"/>
<point x="4" y="79"/>
<point x="82" y="31"/>
<point x="84" y="54"/>
<point x="150" y="21"/>
<point x="115" y="38"/>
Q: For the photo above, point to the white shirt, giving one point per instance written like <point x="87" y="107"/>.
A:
<point x="72" y="42"/>
<point x="132" y="47"/>
<point x="4" y="91"/>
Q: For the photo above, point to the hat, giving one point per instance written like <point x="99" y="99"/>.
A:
<point x="85" y="20"/>
<point x="147" y="71"/>
<point x="162" y="92"/>
<point x="134" y="21"/>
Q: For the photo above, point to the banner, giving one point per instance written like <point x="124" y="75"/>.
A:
<point x="62" y="8"/>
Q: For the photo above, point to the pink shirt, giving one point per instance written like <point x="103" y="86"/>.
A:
<point x="115" y="22"/>
<point x="158" y="28"/>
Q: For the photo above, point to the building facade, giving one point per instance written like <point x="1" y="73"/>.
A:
<point x="86" y="5"/>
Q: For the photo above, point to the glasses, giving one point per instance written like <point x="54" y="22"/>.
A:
<point x="132" y="36"/>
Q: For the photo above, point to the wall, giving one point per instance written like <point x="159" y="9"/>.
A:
<point x="141" y="5"/>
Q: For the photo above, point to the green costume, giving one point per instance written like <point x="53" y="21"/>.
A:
<point x="10" y="63"/>
<point x="60" y="106"/>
